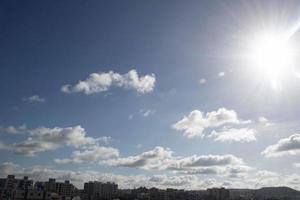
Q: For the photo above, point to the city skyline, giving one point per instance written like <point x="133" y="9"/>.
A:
<point x="167" y="94"/>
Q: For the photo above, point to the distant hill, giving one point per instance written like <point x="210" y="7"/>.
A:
<point x="277" y="192"/>
<point x="267" y="192"/>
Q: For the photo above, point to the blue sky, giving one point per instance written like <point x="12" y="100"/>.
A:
<point x="171" y="94"/>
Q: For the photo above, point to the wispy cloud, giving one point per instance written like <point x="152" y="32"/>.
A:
<point x="14" y="129"/>
<point x="34" y="99"/>
<point x="147" y="112"/>
<point x="101" y="82"/>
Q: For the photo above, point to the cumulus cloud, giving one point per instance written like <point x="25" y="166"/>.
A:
<point x="196" y="122"/>
<point x="163" y="159"/>
<point x="153" y="159"/>
<point x="101" y="82"/>
<point x="44" y="139"/>
<point x="285" y="146"/>
<point x="242" y="135"/>
<point x="14" y="129"/>
<point x="34" y="99"/>
<point x="92" y="154"/>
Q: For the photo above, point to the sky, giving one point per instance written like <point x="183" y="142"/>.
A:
<point x="182" y="94"/>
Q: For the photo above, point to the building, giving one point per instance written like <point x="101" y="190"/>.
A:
<point x="95" y="190"/>
<point x="9" y="186"/>
<point x="219" y="193"/>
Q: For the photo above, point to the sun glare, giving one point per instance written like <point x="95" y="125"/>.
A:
<point x="271" y="55"/>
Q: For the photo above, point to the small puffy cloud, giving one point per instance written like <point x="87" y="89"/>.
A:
<point x="92" y="154"/>
<point x="14" y="129"/>
<point x="242" y="135"/>
<point x="34" y="99"/>
<point x="72" y="136"/>
<point x="196" y="122"/>
<point x="285" y="146"/>
<point x="264" y="121"/>
<point x="202" y="81"/>
<point x="221" y="74"/>
<point x="101" y="82"/>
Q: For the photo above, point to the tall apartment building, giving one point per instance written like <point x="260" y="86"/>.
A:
<point x="9" y="186"/>
<point x="95" y="190"/>
<point x="63" y="189"/>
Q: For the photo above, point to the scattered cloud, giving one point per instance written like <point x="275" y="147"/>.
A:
<point x="264" y="121"/>
<point x="148" y="160"/>
<point x="138" y="146"/>
<point x="101" y="82"/>
<point x="34" y="99"/>
<point x="130" y="117"/>
<point x="221" y="74"/>
<point x="196" y="122"/>
<point x="91" y="154"/>
<point x="285" y="146"/>
<point x="242" y="135"/>
<point x="202" y="81"/>
<point x="44" y="139"/>
<point x="161" y="158"/>
<point x="14" y="129"/>
<point x="255" y="179"/>
<point x="147" y="112"/>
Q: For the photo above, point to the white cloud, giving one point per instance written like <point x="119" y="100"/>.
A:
<point x="34" y="98"/>
<point x="8" y="168"/>
<point x="202" y="81"/>
<point x="100" y="82"/>
<point x="264" y="121"/>
<point x="44" y="139"/>
<point x="221" y="74"/>
<point x="255" y="179"/>
<point x="196" y="122"/>
<point x="285" y="146"/>
<point x="43" y="173"/>
<point x="147" y="112"/>
<point x="163" y="159"/>
<point x="242" y="135"/>
<point x="152" y="159"/>
<point x="14" y="129"/>
<point x="205" y="161"/>
<point x="296" y="165"/>
<point x="92" y="154"/>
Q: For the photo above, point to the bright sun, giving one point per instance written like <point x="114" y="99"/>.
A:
<point x="271" y="55"/>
